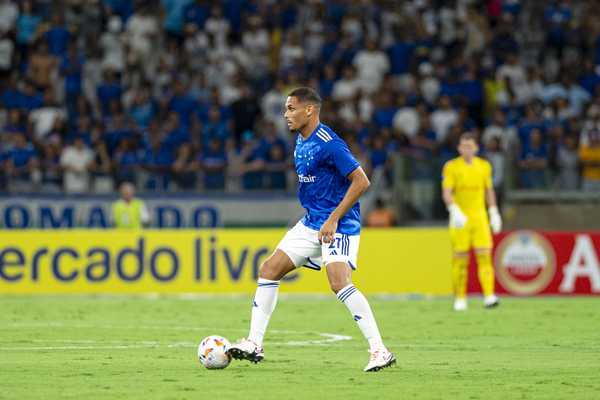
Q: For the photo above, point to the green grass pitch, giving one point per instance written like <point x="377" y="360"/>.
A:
<point x="139" y="348"/>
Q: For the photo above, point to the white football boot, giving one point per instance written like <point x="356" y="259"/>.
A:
<point x="246" y="349"/>
<point x="460" y="304"/>
<point x="491" y="301"/>
<point x="380" y="359"/>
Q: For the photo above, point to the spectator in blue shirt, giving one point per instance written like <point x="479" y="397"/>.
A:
<point x="253" y="162"/>
<point x="71" y="69"/>
<point x="158" y="162"/>
<point x="22" y="162"/>
<point x="27" y="26"/>
<point x="383" y="115"/>
<point x="530" y="122"/>
<point x="142" y="109"/>
<point x="15" y="123"/>
<point x="275" y="156"/>
<point x="123" y="8"/>
<point x="196" y="13"/>
<point x="10" y="96"/>
<point x="213" y="162"/>
<point x="557" y="16"/>
<point x="533" y="162"/>
<point x="185" y="168"/>
<point x="117" y="129"/>
<point x="174" y="16"/>
<point x="216" y="127"/>
<point x="400" y="53"/>
<point x="30" y="99"/>
<point x="182" y="103"/>
<point x="127" y="162"/>
<point x="110" y="89"/>
<point x="58" y="35"/>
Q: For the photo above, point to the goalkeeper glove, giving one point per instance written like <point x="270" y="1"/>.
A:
<point x="457" y="218"/>
<point x="495" y="219"/>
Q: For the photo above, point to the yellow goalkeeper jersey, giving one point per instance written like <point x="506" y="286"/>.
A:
<point x="468" y="183"/>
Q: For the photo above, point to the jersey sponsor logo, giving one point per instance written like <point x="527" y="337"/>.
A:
<point x="306" y="178"/>
<point x="525" y="262"/>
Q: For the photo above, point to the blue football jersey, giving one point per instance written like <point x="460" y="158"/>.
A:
<point x="323" y="162"/>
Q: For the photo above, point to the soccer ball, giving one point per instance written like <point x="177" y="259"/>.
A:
<point x="212" y="352"/>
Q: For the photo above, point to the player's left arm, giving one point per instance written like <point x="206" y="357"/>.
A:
<point x="359" y="182"/>
<point x="490" y="200"/>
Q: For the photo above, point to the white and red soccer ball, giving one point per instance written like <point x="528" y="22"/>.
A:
<point x="212" y="352"/>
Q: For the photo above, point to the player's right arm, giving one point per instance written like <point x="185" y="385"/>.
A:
<point x="457" y="218"/>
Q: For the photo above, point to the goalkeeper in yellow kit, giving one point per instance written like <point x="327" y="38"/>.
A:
<point x="466" y="188"/>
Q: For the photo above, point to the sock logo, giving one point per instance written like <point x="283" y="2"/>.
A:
<point x="254" y="304"/>
<point x="357" y="318"/>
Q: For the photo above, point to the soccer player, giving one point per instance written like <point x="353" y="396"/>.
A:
<point x="330" y="184"/>
<point x="466" y="188"/>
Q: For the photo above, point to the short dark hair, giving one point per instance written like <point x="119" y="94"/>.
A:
<point x="306" y="95"/>
<point x="468" y="136"/>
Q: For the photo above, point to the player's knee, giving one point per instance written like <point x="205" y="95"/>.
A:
<point x="270" y="270"/>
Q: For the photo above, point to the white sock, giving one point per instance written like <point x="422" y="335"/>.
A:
<point x="361" y="312"/>
<point x="263" y="305"/>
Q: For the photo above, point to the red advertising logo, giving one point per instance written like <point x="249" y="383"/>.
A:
<point x="525" y="262"/>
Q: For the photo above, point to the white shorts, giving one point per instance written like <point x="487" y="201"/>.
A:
<point x="302" y="246"/>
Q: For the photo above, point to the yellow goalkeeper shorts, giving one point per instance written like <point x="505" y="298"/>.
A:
<point x="475" y="234"/>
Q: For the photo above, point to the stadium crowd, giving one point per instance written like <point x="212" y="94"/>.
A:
<point x="189" y="94"/>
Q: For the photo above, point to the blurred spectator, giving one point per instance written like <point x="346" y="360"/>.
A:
<point x="71" y="68"/>
<point x="381" y="216"/>
<point x="443" y="118"/>
<point x="213" y="162"/>
<point x="253" y="162"/>
<point x="589" y="155"/>
<point x="44" y="118"/>
<point x="76" y="160"/>
<point x="27" y="26"/>
<point x="51" y="168"/>
<point x="8" y="16"/>
<point x="371" y="64"/>
<point x="58" y="35"/>
<point x="347" y="87"/>
<point x="184" y="170"/>
<point x="101" y="169"/>
<point x="244" y="112"/>
<point x="42" y="67"/>
<point x="406" y="119"/>
<point x="499" y="129"/>
<point x="109" y="90"/>
<point x="567" y="161"/>
<point x="126" y="162"/>
<point x="533" y="162"/>
<point x="423" y="146"/>
<point x="7" y="49"/>
<point x="157" y="162"/>
<point x="22" y="165"/>
<point x="142" y="33"/>
<point x="497" y="157"/>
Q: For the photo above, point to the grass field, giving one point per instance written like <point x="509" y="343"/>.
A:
<point x="139" y="348"/>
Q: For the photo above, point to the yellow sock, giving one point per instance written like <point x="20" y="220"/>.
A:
<point x="459" y="275"/>
<point x="485" y="270"/>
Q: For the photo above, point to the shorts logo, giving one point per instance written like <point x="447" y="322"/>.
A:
<point x="306" y="178"/>
<point x="525" y="262"/>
